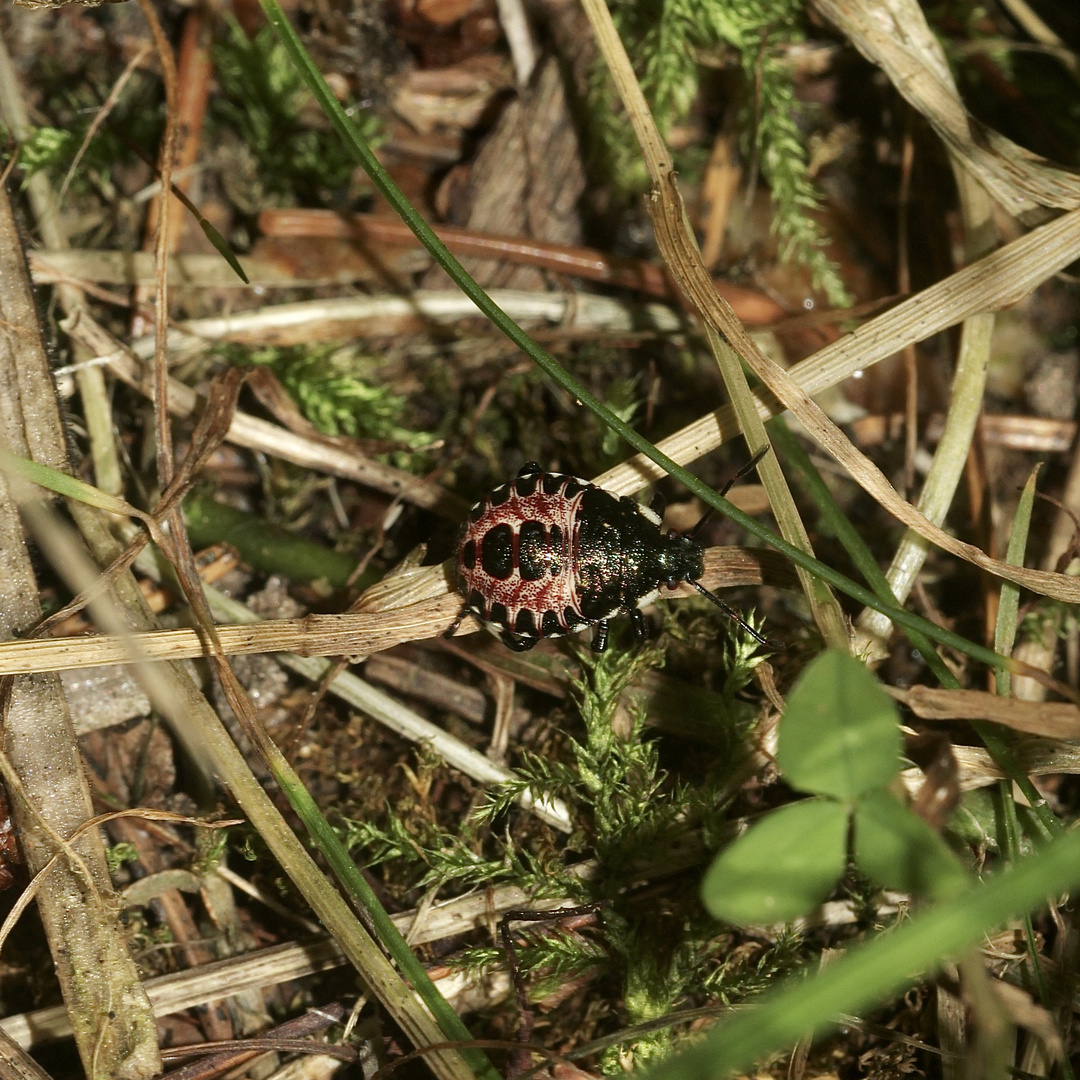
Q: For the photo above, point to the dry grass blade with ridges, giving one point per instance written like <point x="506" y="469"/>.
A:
<point x="50" y="798"/>
<point x="896" y="37"/>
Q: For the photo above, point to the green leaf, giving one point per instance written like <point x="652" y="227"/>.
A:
<point x="215" y="238"/>
<point x="781" y="868"/>
<point x="876" y="970"/>
<point x="840" y="734"/>
<point x="63" y="484"/>
<point x="897" y="849"/>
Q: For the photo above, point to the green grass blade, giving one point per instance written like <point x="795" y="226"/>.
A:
<point x="824" y="607"/>
<point x="836" y="520"/>
<point x="219" y="242"/>
<point x="1004" y="636"/>
<point x="388" y="935"/>
<point x="62" y="483"/>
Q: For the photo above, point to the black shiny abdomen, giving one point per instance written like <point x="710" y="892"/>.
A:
<point x="613" y="542"/>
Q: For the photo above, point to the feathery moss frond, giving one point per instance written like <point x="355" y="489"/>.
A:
<point x="336" y="389"/>
<point x="666" y="35"/>
<point x="262" y="99"/>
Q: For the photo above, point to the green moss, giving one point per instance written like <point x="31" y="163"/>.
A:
<point x="262" y="100"/>
<point x="666" y="37"/>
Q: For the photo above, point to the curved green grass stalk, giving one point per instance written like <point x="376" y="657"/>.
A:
<point x="382" y="926"/>
<point x="965" y="403"/>
<point x="551" y="367"/>
<point x="1009" y="597"/>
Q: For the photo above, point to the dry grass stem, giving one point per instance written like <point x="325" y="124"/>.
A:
<point x="1051" y="720"/>
<point x="16" y="1063"/>
<point x="1036" y="757"/>
<point x="335" y="318"/>
<point x="96" y="403"/>
<point x="113" y="1025"/>
<point x="399" y="718"/>
<point x="166" y="160"/>
<point x="997" y="281"/>
<point x="182" y="990"/>
<point x="347" y="634"/>
<point x="323" y="455"/>
<point x="67" y="852"/>
<point x="186" y="270"/>
<point x="896" y="37"/>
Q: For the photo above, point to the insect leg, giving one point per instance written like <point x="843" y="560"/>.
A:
<point x="517" y="642"/>
<point x="639" y="625"/>
<point x="530" y="468"/>
<point x="452" y="629"/>
<point x="599" y="641"/>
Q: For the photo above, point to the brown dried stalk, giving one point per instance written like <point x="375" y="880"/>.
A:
<point x="111" y="1017"/>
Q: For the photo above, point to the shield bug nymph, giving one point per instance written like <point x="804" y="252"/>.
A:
<point x="548" y="553"/>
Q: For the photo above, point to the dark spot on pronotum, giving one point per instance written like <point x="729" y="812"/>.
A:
<point x="526" y="485"/>
<point x="557" y="552"/>
<point x="532" y="550"/>
<point x="497" y="552"/>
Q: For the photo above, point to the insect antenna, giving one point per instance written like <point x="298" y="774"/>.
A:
<point x="743" y="471"/>
<point x="731" y="613"/>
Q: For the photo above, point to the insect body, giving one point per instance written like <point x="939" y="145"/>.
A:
<point x="548" y="553"/>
